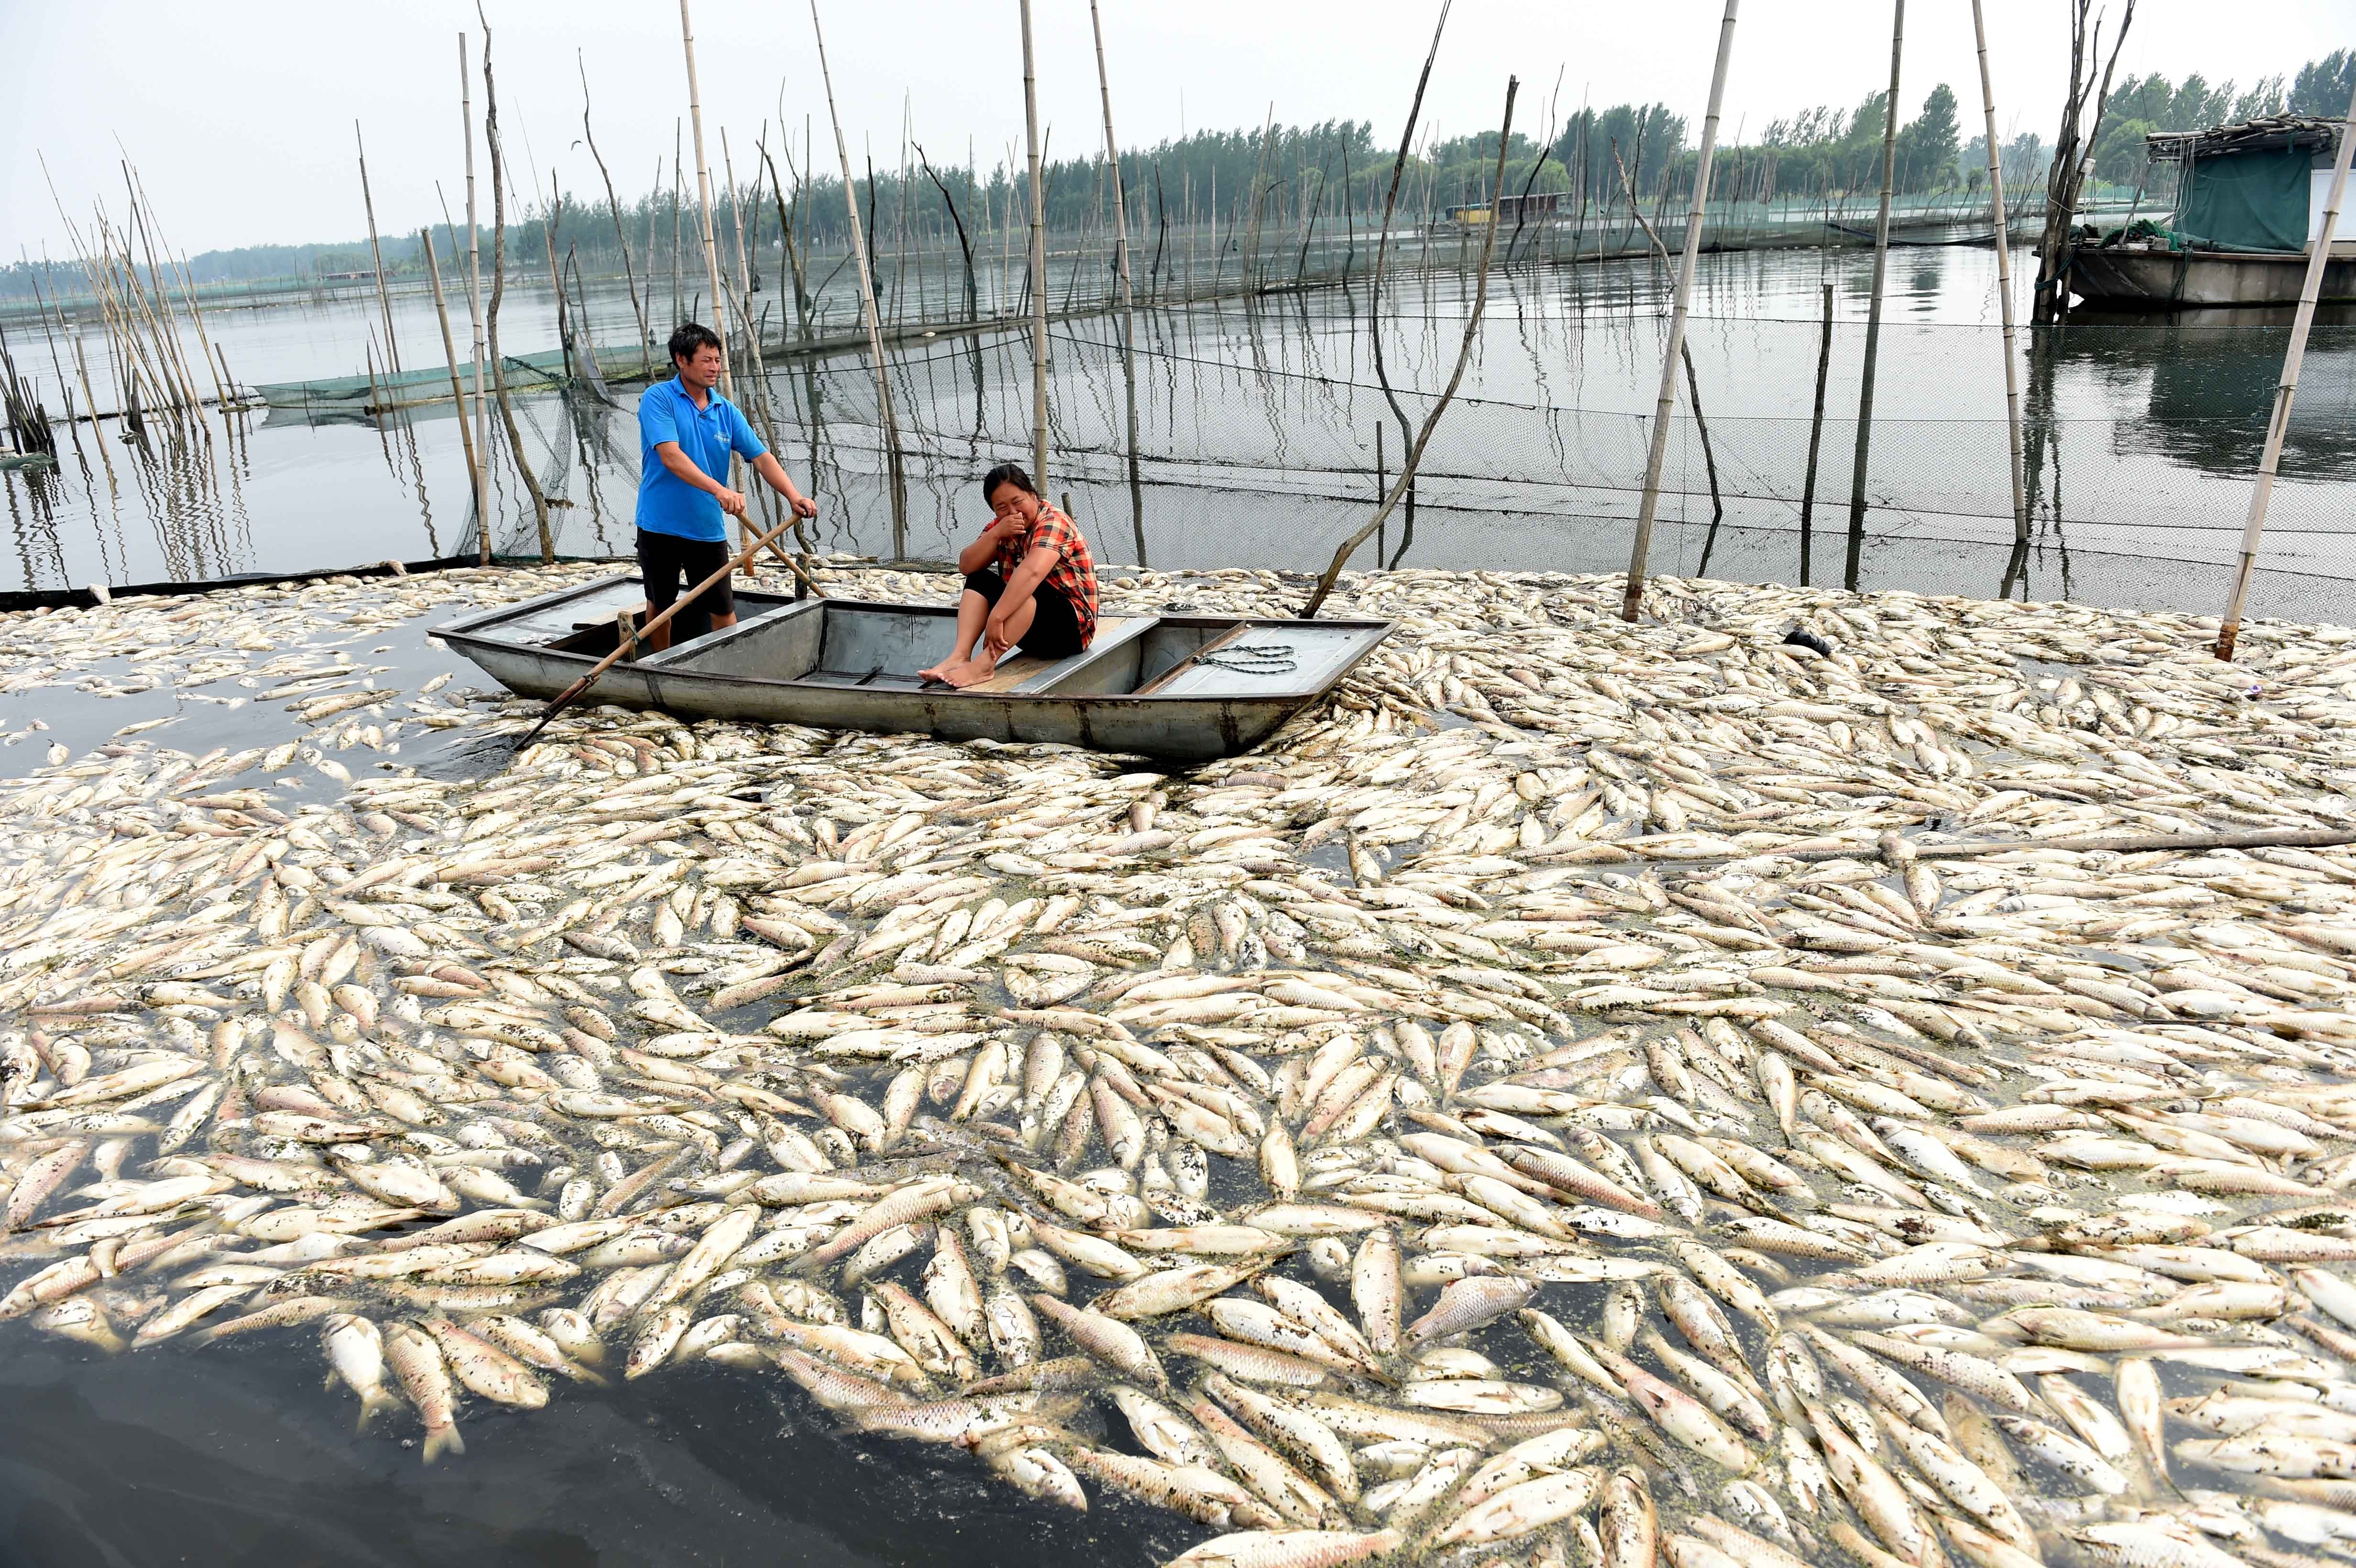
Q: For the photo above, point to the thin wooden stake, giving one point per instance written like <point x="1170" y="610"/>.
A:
<point x="475" y="309"/>
<point x="704" y="206"/>
<point x="2279" y="425"/>
<point x="2003" y="288"/>
<point x="1413" y="453"/>
<point x="376" y="251"/>
<point x="450" y="354"/>
<point x="867" y="304"/>
<point x="1128" y="303"/>
<point x="1038" y="264"/>
<point x="1873" y="311"/>
<point x="498" y="288"/>
<point x="1815" y="441"/>
<point x="1665" y="406"/>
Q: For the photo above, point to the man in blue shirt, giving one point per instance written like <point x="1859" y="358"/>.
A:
<point x="686" y="431"/>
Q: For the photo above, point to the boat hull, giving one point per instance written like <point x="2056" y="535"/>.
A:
<point x="1176" y="727"/>
<point x="2162" y="280"/>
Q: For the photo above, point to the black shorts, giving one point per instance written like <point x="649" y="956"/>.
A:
<point x="1055" y="631"/>
<point x="668" y="564"/>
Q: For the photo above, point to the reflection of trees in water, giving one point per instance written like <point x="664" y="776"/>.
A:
<point x="2211" y="387"/>
<point x="2040" y="464"/>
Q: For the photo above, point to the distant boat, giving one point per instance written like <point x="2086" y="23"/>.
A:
<point x="1189" y="687"/>
<point x="2249" y="207"/>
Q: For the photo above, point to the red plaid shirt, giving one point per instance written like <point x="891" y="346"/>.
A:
<point x="1073" y="575"/>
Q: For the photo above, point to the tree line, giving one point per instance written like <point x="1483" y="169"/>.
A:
<point x="1279" y="178"/>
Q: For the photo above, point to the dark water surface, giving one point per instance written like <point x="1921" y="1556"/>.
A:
<point x="232" y="1455"/>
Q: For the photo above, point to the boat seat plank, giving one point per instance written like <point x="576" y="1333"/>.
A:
<point x="1024" y="668"/>
<point x="1011" y="673"/>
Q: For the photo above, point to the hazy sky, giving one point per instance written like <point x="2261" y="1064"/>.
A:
<point x="239" y="117"/>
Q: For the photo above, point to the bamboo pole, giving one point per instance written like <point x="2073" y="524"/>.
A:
<point x="867" y="303"/>
<point x="1038" y="264"/>
<point x="2279" y="425"/>
<point x="786" y="224"/>
<point x="743" y="266"/>
<point x="678" y="310"/>
<point x="1247" y="274"/>
<point x="1665" y="406"/>
<point x="565" y="340"/>
<point x="1873" y="311"/>
<point x="711" y="243"/>
<point x="498" y="288"/>
<point x="759" y="387"/>
<point x="188" y="294"/>
<point x="2003" y="286"/>
<point x="1128" y="300"/>
<point x="172" y="369"/>
<point x="1685" y="351"/>
<point x="703" y="205"/>
<point x="475" y="309"/>
<point x="450" y="355"/>
<point x="1413" y="453"/>
<point x="376" y="251"/>
<point x="163" y="329"/>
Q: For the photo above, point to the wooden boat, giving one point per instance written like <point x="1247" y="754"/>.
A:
<point x="2152" y="277"/>
<point x="2248" y="214"/>
<point x="1188" y="688"/>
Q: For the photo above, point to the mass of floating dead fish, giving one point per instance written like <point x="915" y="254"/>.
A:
<point x="1540" y="1105"/>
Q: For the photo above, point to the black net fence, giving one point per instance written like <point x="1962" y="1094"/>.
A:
<point x="1262" y="438"/>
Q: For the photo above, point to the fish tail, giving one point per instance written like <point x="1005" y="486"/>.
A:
<point x="438" y="1439"/>
<point x="371" y="1403"/>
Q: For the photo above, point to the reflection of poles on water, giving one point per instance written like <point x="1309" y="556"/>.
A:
<point x="417" y="475"/>
<point x="43" y="525"/>
<point x="2041" y="438"/>
<point x="1815" y="441"/>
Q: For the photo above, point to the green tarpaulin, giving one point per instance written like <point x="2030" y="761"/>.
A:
<point x="2248" y="201"/>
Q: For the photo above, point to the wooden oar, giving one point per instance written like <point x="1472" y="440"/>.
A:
<point x="630" y="641"/>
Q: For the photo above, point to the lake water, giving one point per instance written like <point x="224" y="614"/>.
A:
<point x="1257" y="426"/>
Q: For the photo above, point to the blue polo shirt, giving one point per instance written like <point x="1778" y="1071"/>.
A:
<point x="668" y="504"/>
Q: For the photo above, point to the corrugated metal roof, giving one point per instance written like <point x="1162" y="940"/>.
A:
<point x="2265" y="133"/>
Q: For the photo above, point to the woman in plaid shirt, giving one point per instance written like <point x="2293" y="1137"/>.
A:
<point x="1029" y="581"/>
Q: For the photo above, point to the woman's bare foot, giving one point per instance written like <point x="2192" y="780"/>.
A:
<point x="973" y="672"/>
<point x="939" y="671"/>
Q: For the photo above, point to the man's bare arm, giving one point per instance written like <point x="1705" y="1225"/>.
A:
<point x="768" y="466"/>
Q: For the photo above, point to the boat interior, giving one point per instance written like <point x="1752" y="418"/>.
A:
<point x="880" y="647"/>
